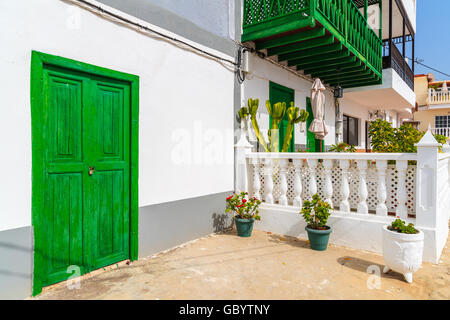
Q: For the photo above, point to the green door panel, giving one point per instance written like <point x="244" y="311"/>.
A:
<point x="80" y="218"/>
<point x="108" y="188"/>
<point x="277" y="94"/>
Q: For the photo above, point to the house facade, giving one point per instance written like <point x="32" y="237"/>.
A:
<point x="433" y="104"/>
<point x="119" y="117"/>
<point x="365" y="47"/>
<point x="118" y="120"/>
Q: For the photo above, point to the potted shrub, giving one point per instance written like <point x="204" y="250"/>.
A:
<point x="245" y="212"/>
<point x="402" y="248"/>
<point x="316" y="213"/>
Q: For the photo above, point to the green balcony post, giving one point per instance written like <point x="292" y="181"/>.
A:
<point x="312" y="11"/>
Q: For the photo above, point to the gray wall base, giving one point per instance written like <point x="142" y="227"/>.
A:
<point x="167" y="225"/>
<point x="16" y="263"/>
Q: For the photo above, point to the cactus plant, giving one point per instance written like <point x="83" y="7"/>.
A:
<point x="243" y="113"/>
<point x="293" y="118"/>
<point x="253" y="106"/>
<point x="276" y="113"/>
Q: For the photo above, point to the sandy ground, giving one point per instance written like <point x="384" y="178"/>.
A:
<point x="265" y="266"/>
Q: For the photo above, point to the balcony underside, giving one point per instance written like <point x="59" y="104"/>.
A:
<point x="329" y="49"/>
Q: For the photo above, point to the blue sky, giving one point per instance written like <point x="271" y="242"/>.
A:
<point x="433" y="36"/>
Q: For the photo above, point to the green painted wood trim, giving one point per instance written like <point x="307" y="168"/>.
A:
<point x="343" y="71"/>
<point x="38" y="60"/>
<point x="297" y="37"/>
<point x="328" y="63"/>
<point x="309" y="53"/>
<point x="304" y="45"/>
<point x="319" y="68"/>
<point x="333" y="77"/>
<point x="367" y="78"/>
<point x="354" y="84"/>
<point x="319" y="58"/>
<point x="276" y="26"/>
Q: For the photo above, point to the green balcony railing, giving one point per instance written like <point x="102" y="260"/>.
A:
<point x="266" y="19"/>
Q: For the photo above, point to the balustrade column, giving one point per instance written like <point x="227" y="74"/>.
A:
<point x="312" y="164"/>
<point x="283" y="182"/>
<point x="345" y="188"/>
<point x="328" y="187"/>
<point x="381" y="190"/>
<point x="402" y="210"/>
<point x="256" y="179"/>
<point x="298" y="183"/>
<point x="363" y="193"/>
<point x="268" y="181"/>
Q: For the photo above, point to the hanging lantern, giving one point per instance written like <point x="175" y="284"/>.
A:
<point x="338" y="92"/>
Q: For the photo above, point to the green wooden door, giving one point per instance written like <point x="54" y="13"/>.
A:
<point x="277" y="94"/>
<point x="84" y="134"/>
<point x="312" y="144"/>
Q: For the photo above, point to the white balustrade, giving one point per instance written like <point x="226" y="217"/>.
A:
<point x="345" y="188"/>
<point x="328" y="187"/>
<point x="256" y="179"/>
<point x="363" y="193"/>
<point x="381" y="190"/>
<point x="402" y="210"/>
<point x="297" y="183"/>
<point x="345" y="181"/>
<point x="312" y="164"/>
<point x="441" y="131"/>
<point x="416" y="188"/>
<point x="268" y="180"/>
<point x="438" y="97"/>
<point x="283" y="182"/>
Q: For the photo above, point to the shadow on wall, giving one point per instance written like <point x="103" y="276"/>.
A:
<point x="221" y="222"/>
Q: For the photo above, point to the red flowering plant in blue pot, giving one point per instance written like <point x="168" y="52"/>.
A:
<point x="245" y="211"/>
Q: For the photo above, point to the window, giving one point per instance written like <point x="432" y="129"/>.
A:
<point x="442" y="121"/>
<point x="351" y="130"/>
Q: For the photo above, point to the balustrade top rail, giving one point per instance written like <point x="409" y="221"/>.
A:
<point x="333" y="156"/>
<point x="341" y="17"/>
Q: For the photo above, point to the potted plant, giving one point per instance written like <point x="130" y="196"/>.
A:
<point x="245" y="212"/>
<point x="316" y="213"/>
<point x="402" y="248"/>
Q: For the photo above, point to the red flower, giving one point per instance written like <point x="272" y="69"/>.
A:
<point x="239" y="206"/>
<point x="229" y="197"/>
<point x="244" y="201"/>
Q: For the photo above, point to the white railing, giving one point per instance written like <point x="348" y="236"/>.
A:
<point x="356" y="182"/>
<point x="366" y="190"/>
<point x="442" y="131"/>
<point x="438" y="97"/>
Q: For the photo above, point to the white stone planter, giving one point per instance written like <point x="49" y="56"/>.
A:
<point x="402" y="252"/>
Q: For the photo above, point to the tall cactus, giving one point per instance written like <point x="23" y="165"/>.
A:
<point x="293" y="118"/>
<point x="276" y="112"/>
<point x="253" y="106"/>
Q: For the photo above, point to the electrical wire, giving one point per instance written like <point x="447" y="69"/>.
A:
<point x="160" y="34"/>
<point x="431" y="68"/>
<point x="241" y="48"/>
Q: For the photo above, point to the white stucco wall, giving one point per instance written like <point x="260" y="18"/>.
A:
<point x="186" y="103"/>
<point x="411" y="9"/>
<point x="352" y="109"/>
<point x="256" y="86"/>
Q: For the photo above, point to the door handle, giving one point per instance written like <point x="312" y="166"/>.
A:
<point x="91" y="171"/>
